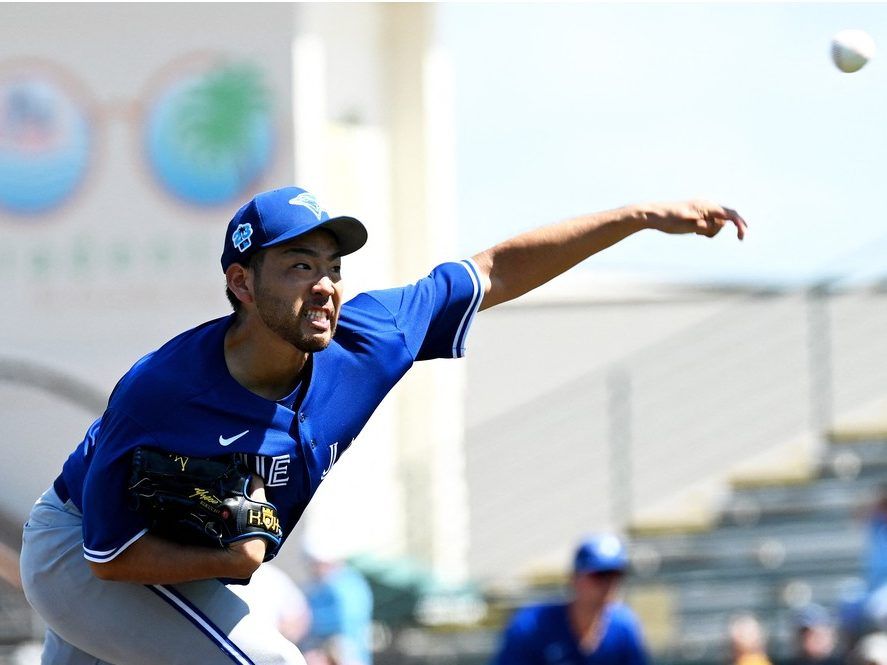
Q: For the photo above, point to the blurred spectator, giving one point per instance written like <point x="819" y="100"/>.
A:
<point x="747" y="641"/>
<point x="876" y="555"/>
<point x="867" y="611"/>
<point x="814" y="637"/>
<point x="332" y="652"/>
<point x="593" y="628"/>
<point x="341" y="605"/>
<point x="274" y="597"/>
<point x="870" y="650"/>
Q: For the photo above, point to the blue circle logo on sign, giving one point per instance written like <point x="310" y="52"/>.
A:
<point x="45" y="143"/>
<point x="209" y="136"/>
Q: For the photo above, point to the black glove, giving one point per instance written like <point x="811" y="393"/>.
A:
<point x="200" y="501"/>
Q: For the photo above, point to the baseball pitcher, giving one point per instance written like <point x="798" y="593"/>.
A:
<point x="212" y="445"/>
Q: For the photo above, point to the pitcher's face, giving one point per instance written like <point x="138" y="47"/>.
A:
<point x="298" y="290"/>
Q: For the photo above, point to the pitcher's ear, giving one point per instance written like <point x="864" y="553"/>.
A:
<point x="240" y="282"/>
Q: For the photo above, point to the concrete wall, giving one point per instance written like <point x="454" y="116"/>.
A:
<point x="538" y="432"/>
<point x="600" y="414"/>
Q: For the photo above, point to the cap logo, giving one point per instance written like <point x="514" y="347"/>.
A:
<point x="308" y="201"/>
<point x="241" y="237"/>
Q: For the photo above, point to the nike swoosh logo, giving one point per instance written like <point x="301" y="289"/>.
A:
<point x="227" y="442"/>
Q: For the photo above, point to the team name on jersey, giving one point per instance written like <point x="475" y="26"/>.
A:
<point x="334" y="453"/>
<point x="273" y="470"/>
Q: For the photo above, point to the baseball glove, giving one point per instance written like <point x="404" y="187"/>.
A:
<point x="200" y="501"/>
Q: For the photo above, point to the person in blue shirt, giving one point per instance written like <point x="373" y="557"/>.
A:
<point x="341" y="603"/>
<point x="866" y="610"/>
<point x="287" y="382"/>
<point x="592" y="628"/>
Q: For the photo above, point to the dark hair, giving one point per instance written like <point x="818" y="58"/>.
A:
<point x="253" y="261"/>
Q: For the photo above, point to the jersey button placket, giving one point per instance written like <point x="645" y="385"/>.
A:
<point x="304" y="431"/>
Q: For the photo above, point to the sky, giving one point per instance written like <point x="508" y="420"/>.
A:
<point x="563" y="109"/>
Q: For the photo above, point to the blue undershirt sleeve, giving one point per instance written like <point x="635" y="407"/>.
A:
<point x="516" y="647"/>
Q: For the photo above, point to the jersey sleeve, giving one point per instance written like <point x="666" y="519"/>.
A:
<point x="517" y="646"/>
<point x="109" y="526"/>
<point x="637" y="655"/>
<point x="435" y="314"/>
<point x="633" y="640"/>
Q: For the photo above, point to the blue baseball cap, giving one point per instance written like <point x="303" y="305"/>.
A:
<point x="275" y="217"/>
<point x="601" y="552"/>
<point x="811" y="616"/>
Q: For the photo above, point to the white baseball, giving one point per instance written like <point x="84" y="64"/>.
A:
<point x="851" y="49"/>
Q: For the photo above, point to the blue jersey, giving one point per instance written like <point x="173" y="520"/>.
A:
<point x="541" y="635"/>
<point x="182" y="398"/>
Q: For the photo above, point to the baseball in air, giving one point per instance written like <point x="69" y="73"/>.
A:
<point x="851" y="49"/>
